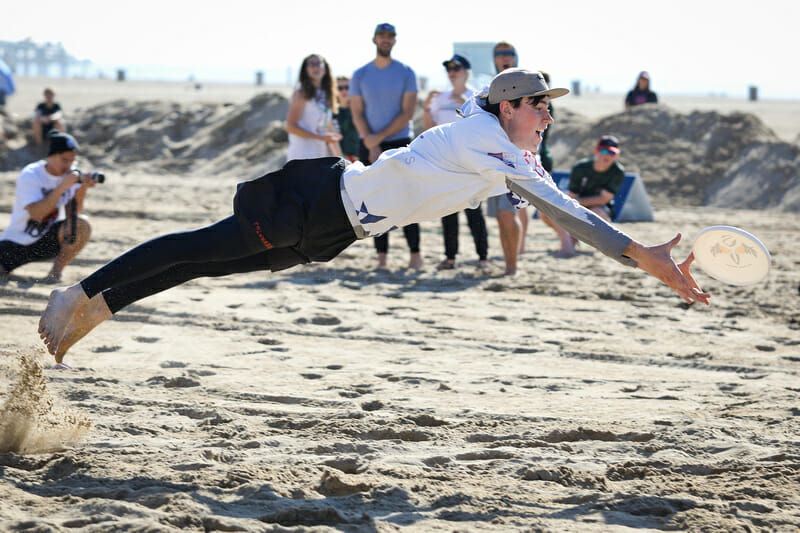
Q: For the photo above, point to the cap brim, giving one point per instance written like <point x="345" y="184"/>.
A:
<point x="553" y="93"/>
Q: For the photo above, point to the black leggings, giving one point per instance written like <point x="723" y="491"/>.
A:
<point x="477" y="225"/>
<point x="164" y="262"/>
<point x="412" y="238"/>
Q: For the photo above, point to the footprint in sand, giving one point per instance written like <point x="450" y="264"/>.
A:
<point x="106" y="349"/>
<point x="181" y="382"/>
<point x="173" y="364"/>
<point x="147" y="340"/>
<point x="320" y="320"/>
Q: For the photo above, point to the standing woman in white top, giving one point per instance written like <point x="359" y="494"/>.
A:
<point x="441" y="108"/>
<point x="309" y="122"/>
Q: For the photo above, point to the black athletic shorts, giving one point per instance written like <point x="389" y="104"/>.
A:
<point x="296" y="211"/>
<point x="13" y="255"/>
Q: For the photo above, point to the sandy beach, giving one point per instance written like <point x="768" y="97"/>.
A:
<point x="578" y="396"/>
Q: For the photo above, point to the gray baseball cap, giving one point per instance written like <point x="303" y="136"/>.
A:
<point x="515" y="83"/>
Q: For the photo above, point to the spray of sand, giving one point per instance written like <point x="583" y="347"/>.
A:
<point x="31" y="419"/>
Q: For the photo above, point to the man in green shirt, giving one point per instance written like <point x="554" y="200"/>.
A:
<point x="593" y="182"/>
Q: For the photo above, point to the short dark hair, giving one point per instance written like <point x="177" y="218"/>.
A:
<point x="494" y="109"/>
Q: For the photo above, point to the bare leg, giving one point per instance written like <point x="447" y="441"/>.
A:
<point x="415" y="261"/>
<point x="510" y="230"/>
<point x="523" y="219"/>
<point x="61" y="308"/>
<point x="567" y="241"/>
<point x="85" y="319"/>
<point x="382" y="260"/>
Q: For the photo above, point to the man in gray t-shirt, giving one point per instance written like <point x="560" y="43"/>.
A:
<point x="383" y="97"/>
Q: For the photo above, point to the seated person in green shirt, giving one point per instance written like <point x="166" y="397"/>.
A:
<point x="593" y="182"/>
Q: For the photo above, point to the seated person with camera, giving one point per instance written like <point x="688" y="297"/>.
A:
<point x="47" y="192"/>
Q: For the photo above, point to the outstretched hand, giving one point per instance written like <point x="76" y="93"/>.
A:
<point x="658" y="262"/>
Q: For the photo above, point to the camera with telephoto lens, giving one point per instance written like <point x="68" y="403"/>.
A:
<point x="97" y="177"/>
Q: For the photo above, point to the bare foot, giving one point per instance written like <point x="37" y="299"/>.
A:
<point x="85" y="319"/>
<point x="511" y="273"/>
<point x="565" y="253"/>
<point x="60" y="309"/>
<point x="415" y="262"/>
<point x="383" y="263"/>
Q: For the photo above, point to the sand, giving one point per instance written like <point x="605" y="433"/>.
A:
<point x="579" y="396"/>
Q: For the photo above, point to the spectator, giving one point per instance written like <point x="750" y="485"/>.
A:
<point x="593" y="182"/>
<point x="309" y="121"/>
<point x="641" y="93"/>
<point x="344" y="120"/>
<point x="383" y="97"/>
<point x="512" y="224"/>
<point x="441" y="108"/>
<point x="505" y="56"/>
<point x="39" y="228"/>
<point x="46" y="117"/>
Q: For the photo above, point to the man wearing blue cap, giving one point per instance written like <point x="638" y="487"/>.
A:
<point x="38" y="227"/>
<point x="383" y="97"/>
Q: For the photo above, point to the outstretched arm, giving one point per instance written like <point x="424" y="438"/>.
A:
<point x="658" y="262"/>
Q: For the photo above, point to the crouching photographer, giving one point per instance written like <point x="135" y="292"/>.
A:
<point x="45" y="221"/>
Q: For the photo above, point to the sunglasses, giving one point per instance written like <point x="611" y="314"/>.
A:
<point x="453" y="68"/>
<point x="606" y="151"/>
<point x="343" y="87"/>
<point x="314" y="64"/>
<point x="505" y="53"/>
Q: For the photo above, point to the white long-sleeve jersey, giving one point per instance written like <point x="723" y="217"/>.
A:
<point x="454" y="166"/>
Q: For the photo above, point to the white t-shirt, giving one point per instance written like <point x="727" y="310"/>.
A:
<point x="444" y="108"/>
<point x="316" y="118"/>
<point x="33" y="184"/>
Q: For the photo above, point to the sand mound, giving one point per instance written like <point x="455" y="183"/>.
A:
<point x="198" y="137"/>
<point x="31" y="420"/>
<point x="700" y="158"/>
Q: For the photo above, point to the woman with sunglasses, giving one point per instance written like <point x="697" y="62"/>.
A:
<point x="441" y="108"/>
<point x="309" y="121"/>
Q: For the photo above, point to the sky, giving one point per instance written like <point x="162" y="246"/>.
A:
<point x="693" y="47"/>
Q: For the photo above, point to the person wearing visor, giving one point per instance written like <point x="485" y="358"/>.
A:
<point x="441" y="107"/>
<point x="312" y="209"/>
<point x="593" y="183"/>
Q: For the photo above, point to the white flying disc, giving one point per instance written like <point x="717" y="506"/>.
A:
<point x="731" y="255"/>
